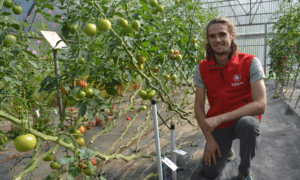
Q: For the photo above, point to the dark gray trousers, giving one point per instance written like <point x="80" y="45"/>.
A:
<point x="247" y="130"/>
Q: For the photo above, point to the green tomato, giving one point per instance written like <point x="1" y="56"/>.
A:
<point x="81" y="61"/>
<point x="9" y="39"/>
<point x="143" y="94"/>
<point x="71" y="102"/>
<point x="90" y="29"/>
<point x="153" y="3"/>
<point x="25" y="142"/>
<point x="173" y="77"/>
<point x="136" y="25"/>
<point x="49" y="157"/>
<point x="104" y="25"/>
<point x="54" y="165"/>
<point x="78" y="134"/>
<point x="143" y="107"/>
<point x="150" y="95"/>
<point x="129" y="29"/>
<point x="123" y="22"/>
<point x="8" y="3"/>
<point x="81" y="94"/>
<point x="17" y="9"/>
<point x="1" y="141"/>
<point x="87" y="171"/>
<point x="73" y="28"/>
<point x="160" y="8"/>
<point x="166" y="76"/>
<point x="178" y="58"/>
<point x="89" y="92"/>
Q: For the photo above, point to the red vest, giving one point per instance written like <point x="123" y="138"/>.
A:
<point x="228" y="87"/>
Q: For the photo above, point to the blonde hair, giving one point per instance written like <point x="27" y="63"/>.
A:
<point x="230" y="26"/>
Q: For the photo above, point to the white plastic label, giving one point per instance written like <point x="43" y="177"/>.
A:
<point x="179" y="152"/>
<point x="169" y="163"/>
<point x="37" y="112"/>
<point x="55" y="110"/>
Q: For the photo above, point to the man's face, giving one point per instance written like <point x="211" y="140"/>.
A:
<point x="219" y="38"/>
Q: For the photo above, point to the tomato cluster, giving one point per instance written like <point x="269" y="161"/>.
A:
<point x="175" y="55"/>
<point x="84" y="164"/>
<point x="62" y="89"/>
<point x="72" y="109"/>
<point x="3" y="138"/>
<point x="81" y="84"/>
<point x="98" y="122"/>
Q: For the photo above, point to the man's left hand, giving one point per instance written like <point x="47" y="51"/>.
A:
<point x="211" y="123"/>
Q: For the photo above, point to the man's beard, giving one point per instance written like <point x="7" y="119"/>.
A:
<point x="221" y="53"/>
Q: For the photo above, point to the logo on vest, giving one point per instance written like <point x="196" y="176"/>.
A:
<point x="237" y="78"/>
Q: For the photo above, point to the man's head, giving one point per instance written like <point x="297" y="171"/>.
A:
<point x="220" y="36"/>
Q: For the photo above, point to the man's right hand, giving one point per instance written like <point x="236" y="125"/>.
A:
<point x="211" y="148"/>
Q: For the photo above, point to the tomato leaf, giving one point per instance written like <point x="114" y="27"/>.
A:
<point x="144" y="4"/>
<point x="127" y="72"/>
<point x="51" y="175"/>
<point x="15" y="26"/>
<point x="91" y="167"/>
<point x="66" y="160"/>
<point x="6" y="14"/>
<point x="48" y="6"/>
<point x="33" y="64"/>
<point x="91" y="114"/>
<point x="73" y="172"/>
<point x="82" y="108"/>
<point x="75" y="91"/>
<point x="85" y="153"/>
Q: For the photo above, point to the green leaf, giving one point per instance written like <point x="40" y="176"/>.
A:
<point x="51" y="175"/>
<point x="146" y="44"/>
<point x="153" y="49"/>
<point x="91" y="114"/>
<point x="6" y="78"/>
<point x="66" y="160"/>
<point x="75" y="91"/>
<point x="15" y="26"/>
<point x="29" y="53"/>
<point x="85" y="153"/>
<point x="13" y="63"/>
<point x="48" y="6"/>
<point x="144" y="4"/>
<point x="6" y="14"/>
<point x="96" y="91"/>
<point x="33" y="64"/>
<point x="82" y="108"/>
<point x="73" y="172"/>
<point x="127" y="72"/>
<point x="42" y="1"/>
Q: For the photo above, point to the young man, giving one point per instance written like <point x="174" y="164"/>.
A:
<point x="237" y="97"/>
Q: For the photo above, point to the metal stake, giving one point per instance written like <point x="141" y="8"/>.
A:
<point x="59" y="101"/>
<point x="173" y="148"/>
<point x="158" y="153"/>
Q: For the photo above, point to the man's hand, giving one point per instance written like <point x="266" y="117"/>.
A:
<point x="211" y="123"/>
<point x="209" y="153"/>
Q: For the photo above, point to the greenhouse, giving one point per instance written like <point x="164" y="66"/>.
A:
<point x="149" y="89"/>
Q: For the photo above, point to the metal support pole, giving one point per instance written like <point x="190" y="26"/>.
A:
<point x="265" y="58"/>
<point x="158" y="154"/>
<point x="59" y="101"/>
<point x="173" y="147"/>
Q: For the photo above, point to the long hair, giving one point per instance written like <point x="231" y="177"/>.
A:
<point x="230" y="26"/>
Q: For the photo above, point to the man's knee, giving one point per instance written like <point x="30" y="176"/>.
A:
<point x="249" y="124"/>
<point x="209" y="174"/>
